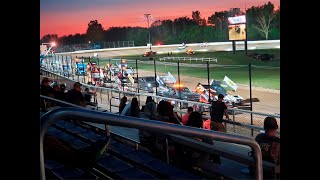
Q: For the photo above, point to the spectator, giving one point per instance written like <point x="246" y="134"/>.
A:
<point x="57" y="94"/>
<point x="186" y="116"/>
<point x="63" y="91"/>
<point x="191" y="157"/>
<point x="132" y="109"/>
<point x="135" y="109"/>
<point x="218" y="108"/>
<point x="206" y="124"/>
<point x="150" y="109"/>
<point x="45" y="88"/>
<point x="122" y="104"/>
<point x="75" y="96"/>
<point x="269" y="144"/>
<point x="87" y="95"/>
<point x="165" y="113"/>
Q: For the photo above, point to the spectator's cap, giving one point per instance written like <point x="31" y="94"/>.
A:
<point x="221" y="96"/>
<point x="270" y="123"/>
<point x="77" y="84"/>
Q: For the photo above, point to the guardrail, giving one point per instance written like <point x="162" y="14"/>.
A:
<point x="154" y="126"/>
<point x="190" y="59"/>
<point x="233" y="111"/>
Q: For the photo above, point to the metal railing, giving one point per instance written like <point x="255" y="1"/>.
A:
<point x="154" y="126"/>
<point x="177" y="109"/>
<point x="189" y="59"/>
<point x="97" y="45"/>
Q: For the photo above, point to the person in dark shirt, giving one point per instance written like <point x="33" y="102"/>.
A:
<point x="270" y="147"/>
<point x="75" y="95"/>
<point x="57" y="93"/>
<point x="88" y="96"/>
<point x="45" y="88"/>
<point x="269" y="142"/>
<point x="122" y="104"/>
<point x="218" y="109"/>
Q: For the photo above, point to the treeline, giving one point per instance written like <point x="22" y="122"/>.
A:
<point x="263" y="23"/>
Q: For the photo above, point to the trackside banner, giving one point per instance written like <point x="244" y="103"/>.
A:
<point x="237" y="20"/>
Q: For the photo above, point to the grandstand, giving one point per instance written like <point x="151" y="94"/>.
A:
<point x="126" y="158"/>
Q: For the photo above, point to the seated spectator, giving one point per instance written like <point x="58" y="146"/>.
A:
<point x="45" y="88"/>
<point x="57" y="94"/>
<point x="132" y="109"/>
<point x="87" y="95"/>
<point x="269" y="144"/>
<point x="122" y="104"/>
<point x="150" y="109"/>
<point x="166" y="114"/>
<point x="135" y="109"/>
<point x="75" y="96"/>
<point x="206" y="124"/>
<point x="63" y="88"/>
<point x="186" y="116"/>
<point x="191" y="157"/>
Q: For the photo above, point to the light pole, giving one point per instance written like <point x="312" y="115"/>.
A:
<point x="52" y="45"/>
<point x="147" y="16"/>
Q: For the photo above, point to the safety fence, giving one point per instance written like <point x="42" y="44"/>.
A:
<point x="244" y="122"/>
<point x="97" y="45"/>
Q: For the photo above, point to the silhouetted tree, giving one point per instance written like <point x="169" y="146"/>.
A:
<point x="197" y="18"/>
<point x="219" y="19"/>
<point x="95" y="31"/>
<point x="49" y="38"/>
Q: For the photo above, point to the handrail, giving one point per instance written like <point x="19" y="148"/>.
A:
<point x="111" y="119"/>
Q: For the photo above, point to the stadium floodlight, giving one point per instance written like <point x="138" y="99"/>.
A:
<point x="52" y="44"/>
<point x="148" y="16"/>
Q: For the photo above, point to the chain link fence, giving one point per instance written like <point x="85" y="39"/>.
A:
<point x="261" y="99"/>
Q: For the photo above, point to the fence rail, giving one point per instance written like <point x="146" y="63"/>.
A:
<point x="154" y="126"/>
<point x="190" y="59"/>
<point x="98" y="45"/>
<point x="108" y="101"/>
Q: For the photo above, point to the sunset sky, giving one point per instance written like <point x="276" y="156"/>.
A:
<point x="64" y="17"/>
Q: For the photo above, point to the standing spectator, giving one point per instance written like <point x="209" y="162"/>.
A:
<point x="218" y="108"/>
<point x="122" y="104"/>
<point x="186" y="116"/>
<point x="75" y="95"/>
